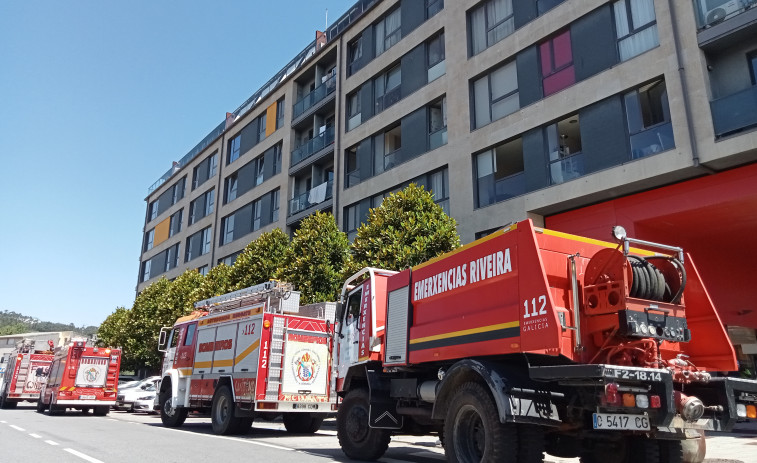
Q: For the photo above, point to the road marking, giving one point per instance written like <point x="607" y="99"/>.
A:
<point x="17" y="428"/>
<point x="3" y="421"/>
<point x="236" y="439"/>
<point x="83" y="456"/>
<point x="36" y="436"/>
<point x="51" y="442"/>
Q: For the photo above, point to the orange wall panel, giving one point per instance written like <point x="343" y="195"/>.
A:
<point x="161" y="231"/>
<point x="270" y="120"/>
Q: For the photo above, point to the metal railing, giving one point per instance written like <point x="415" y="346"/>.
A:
<point x="312" y="146"/>
<point x="311" y="197"/>
<point x="711" y="12"/>
<point x="311" y="99"/>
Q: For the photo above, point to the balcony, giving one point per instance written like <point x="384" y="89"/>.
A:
<point x="311" y="198"/>
<point x="389" y="98"/>
<point x="566" y="168"/>
<point x="723" y="23"/>
<point x="314" y="97"/>
<point x="312" y="146"/>
<point x="491" y="190"/>
<point x="437" y="139"/>
<point x="653" y="140"/>
<point x="734" y="112"/>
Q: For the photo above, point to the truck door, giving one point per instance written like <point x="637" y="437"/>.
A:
<point x="185" y="348"/>
<point x="353" y="324"/>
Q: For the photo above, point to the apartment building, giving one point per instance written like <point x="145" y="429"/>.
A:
<point x="577" y="114"/>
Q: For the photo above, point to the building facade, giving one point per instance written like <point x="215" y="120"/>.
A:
<point x="576" y="114"/>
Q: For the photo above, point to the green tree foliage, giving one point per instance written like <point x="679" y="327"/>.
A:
<point x="315" y="259"/>
<point x="115" y="331"/>
<point x="260" y="260"/>
<point x="141" y="347"/>
<point x="216" y="282"/>
<point x="406" y="230"/>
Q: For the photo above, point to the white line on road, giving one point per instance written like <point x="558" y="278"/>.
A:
<point x="17" y="428"/>
<point x="3" y="421"/>
<point x="236" y="439"/>
<point x="51" y="442"/>
<point x="83" y="456"/>
<point x="36" y="436"/>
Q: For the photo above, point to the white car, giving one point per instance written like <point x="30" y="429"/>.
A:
<point x="127" y="396"/>
<point x="144" y="402"/>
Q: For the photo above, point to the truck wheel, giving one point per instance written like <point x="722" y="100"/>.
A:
<point x="533" y="436"/>
<point x="671" y="451"/>
<point x="172" y="417"/>
<point x="357" y="439"/>
<point x="303" y="423"/>
<point x="472" y="429"/>
<point x="56" y="410"/>
<point x="40" y="406"/>
<point x="222" y="412"/>
<point x="101" y="410"/>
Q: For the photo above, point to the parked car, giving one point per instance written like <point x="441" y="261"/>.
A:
<point x="127" y="396"/>
<point x="144" y="402"/>
<point x="126" y="379"/>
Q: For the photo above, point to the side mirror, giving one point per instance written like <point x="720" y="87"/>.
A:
<point x="162" y="339"/>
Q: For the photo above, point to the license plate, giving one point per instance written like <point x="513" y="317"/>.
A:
<point x="305" y="406"/>
<point x="87" y="397"/>
<point x="614" y="421"/>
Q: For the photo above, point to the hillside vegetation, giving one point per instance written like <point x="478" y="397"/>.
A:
<point x="14" y="323"/>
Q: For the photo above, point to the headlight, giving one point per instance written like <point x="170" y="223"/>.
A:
<point x="643" y="328"/>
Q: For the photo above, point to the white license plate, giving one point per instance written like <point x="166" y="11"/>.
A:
<point x="614" y="421"/>
<point x="87" y="397"/>
<point x="305" y="406"/>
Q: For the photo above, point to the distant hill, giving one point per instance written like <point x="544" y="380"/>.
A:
<point x="14" y="323"/>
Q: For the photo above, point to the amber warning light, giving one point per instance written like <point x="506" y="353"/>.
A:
<point x="266" y="324"/>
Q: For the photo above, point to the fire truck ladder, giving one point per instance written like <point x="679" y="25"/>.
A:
<point x="276" y="361"/>
<point x="23" y="373"/>
<point x="276" y="290"/>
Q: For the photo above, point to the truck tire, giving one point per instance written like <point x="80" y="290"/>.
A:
<point x="472" y="429"/>
<point x="41" y="406"/>
<point x="101" y="410"/>
<point x="303" y="423"/>
<point x="222" y="412"/>
<point x="671" y="451"/>
<point x="170" y="416"/>
<point x="357" y="439"/>
<point x="56" y="410"/>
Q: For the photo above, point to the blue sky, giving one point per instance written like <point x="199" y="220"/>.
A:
<point x="97" y="98"/>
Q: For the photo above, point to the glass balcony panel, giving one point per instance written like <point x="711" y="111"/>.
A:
<point x="354" y="121"/>
<point x="310" y="198"/>
<point x="712" y="12"/>
<point x="734" y="112"/>
<point x="314" y="97"/>
<point x="492" y="191"/>
<point x="652" y="141"/>
<point x="313" y="146"/>
<point x="438" y="138"/>
<point x="567" y="168"/>
<point x="438" y="70"/>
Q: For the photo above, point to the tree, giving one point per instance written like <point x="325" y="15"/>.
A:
<point x="406" y="230"/>
<point x="216" y="282"/>
<point x="115" y="330"/>
<point x="141" y="347"/>
<point x="260" y="260"/>
<point x="315" y="259"/>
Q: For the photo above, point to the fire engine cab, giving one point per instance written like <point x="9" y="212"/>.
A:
<point x="25" y="373"/>
<point x="250" y="353"/>
<point x="82" y="377"/>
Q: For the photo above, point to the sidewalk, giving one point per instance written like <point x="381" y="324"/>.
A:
<point x="737" y="446"/>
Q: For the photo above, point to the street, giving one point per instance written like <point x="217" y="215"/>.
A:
<point x="128" y="437"/>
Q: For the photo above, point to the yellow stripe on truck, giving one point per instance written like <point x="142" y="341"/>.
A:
<point x="247" y="351"/>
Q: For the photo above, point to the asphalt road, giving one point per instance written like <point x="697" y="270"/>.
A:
<point x="26" y="436"/>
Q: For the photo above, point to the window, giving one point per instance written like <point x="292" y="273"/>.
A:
<point x="436" y="56"/>
<point x="351" y="168"/>
<point x="146" y="270"/>
<point x="230" y="259"/>
<point x="203" y="171"/>
<point x="437" y="123"/>
<point x="178" y="190"/>
<point x="203" y="270"/>
<point x="354" y="53"/>
<point x="175" y="223"/>
<point x="235" y="144"/>
<point x="387" y="88"/>
<point x="564" y="150"/>
<point x="387" y="149"/>
<point x="495" y="95"/>
<point x="190" y="334"/>
<point x="202" y="206"/>
<point x="230" y="190"/>
<point x="635" y="26"/>
<point x="388" y="31"/>
<point x="489" y="23"/>
<point x="153" y="209"/>
<point x="499" y="173"/>
<point x="279" y="113"/>
<point x="557" y="63"/>
<point x="198" y="244"/>
<point x="433" y="7"/>
<point x="227" y="230"/>
<point x="351" y="221"/>
<point x="149" y="237"/>
<point x="172" y="257"/>
<point x="261" y="128"/>
<point x="275" y="206"/>
<point x="752" y="59"/>
<point x="648" y="117"/>
<point x="542" y="6"/>
<point x="353" y="110"/>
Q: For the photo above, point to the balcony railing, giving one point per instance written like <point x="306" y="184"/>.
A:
<point x="712" y="12"/>
<point x="492" y="191"/>
<point x="734" y="112"/>
<point x="437" y="139"/>
<point x="314" y="97"/>
<point x="311" y="198"/>
<point x="312" y="146"/>
<point x="567" y="168"/>
<point x="652" y="141"/>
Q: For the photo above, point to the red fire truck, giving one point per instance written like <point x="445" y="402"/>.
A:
<point x="82" y="377"/>
<point x="25" y="373"/>
<point x="531" y="340"/>
<point x="252" y="352"/>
